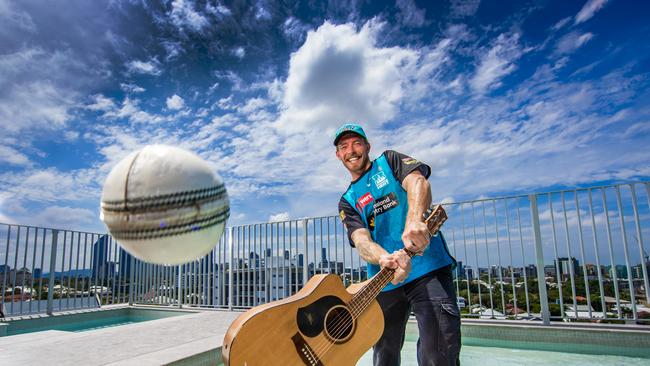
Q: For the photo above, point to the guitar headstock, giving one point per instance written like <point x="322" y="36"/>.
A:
<point x="434" y="218"/>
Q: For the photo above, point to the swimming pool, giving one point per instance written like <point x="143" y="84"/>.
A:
<point x="81" y="321"/>
<point x="492" y="345"/>
<point x="496" y="356"/>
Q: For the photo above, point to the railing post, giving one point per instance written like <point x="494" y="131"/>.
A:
<point x="539" y="256"/>
<point x="131" y="278"/>
<point x="180" y="286"/>
<point x="231" y="272"/>
<point x="50" y="285"/>
<point x="305" y="266"/>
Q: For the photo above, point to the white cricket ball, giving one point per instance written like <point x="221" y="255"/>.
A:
<point x="165" y="205"/>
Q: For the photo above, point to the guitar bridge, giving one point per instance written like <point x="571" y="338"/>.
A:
<point x="306" y="353"/>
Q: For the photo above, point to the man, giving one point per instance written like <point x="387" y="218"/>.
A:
<point x="383" y="210"/>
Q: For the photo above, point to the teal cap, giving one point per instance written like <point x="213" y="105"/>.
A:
<point x="349" y="127"/>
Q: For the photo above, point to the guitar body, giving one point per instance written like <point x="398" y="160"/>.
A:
<point x="312" y="327"/>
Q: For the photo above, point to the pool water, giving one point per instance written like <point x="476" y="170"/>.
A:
<point x="87" y="321"/>
<point x="490" y="346"/>
<point x="493" y="356"/>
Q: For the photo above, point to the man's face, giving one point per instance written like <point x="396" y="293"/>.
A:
<point x="353" y="151"/>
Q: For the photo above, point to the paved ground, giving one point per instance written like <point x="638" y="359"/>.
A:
<point x="153" y="342"/>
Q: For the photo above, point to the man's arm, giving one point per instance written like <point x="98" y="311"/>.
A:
<point x="368" y="249"/>
<point x="373" y="253"/>
<point x="416" y="234"/>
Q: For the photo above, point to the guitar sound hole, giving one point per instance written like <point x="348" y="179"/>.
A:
<point x="339" y="324"/>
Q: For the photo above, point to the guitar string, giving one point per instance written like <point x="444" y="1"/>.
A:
<point x="312" y="354"/>
<point x="343" y="324"/>
<point x="343" y="321"/>
<point x="369" y="293"/>
<point x="340" y="328"/>
<point x="361" y="302"/>
<point x="384" y="276"/>
<point x="340" y="324"/>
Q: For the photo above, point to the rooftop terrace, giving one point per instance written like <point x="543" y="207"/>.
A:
<point x="588" y="245"/>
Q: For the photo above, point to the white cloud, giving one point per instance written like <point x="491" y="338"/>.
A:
<point x="339" y="75"/>
<point x="281" y="216"/>
<point x="544" y="120"/>
<point x="63" y="217"/>
<point x="426" y="74"/>
<point x="150" y="67"/>
<point x="12" y="156"/>
<point x="463" y="8"/>
<point x="239" y="52"/>
<point x="561" y="23"/>
<point x="11" y="17"/>
<point x="218" y="10"/>
<point x="184" y="16"/>
<point x="589" y="9"/>
<point x="294" y="29"/>
<point x="213" y="87"/>
<point x="38" y="104"/>
<point x="446" y="200"/>
<point x="173" y="49"/>
<point x="409" y="14"/>
<point x="232" y="77"/>
<point x="71" y="136"/>
<point x="638" y="129"/>
<point x="131" y="88"/>
<point x="572" y="41"/>
<point x="39" y="89"/>
<point x="131" y="111"/>
<point x="226" y="103"/>
<point x="175" y="102"/>
<point x="101" y="103"/>
<point x="253" y="105"/>
<point x="50" y="185"/>
<point x="261" y="12"/>
<point x="498" y="62"/>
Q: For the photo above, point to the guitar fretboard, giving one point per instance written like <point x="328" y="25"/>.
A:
<point x="434" y="218"/>
<point x="362" y="299"/>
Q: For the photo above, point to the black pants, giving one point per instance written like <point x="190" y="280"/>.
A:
<point x="432" y="298"/>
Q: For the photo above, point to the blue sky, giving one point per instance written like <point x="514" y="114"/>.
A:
<point x="498" y="97"/>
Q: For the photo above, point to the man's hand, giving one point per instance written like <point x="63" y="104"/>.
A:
<point x="416" y="236"/>
<point x="400" y="262"/>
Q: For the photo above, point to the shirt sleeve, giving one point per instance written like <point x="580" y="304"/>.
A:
<point x="402" y="165"/>
<point x="350" y="218"/>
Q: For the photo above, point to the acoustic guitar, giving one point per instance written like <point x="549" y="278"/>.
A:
<point x="322" y="324"/>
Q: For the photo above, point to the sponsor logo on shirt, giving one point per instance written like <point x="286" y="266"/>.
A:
<point x="364" y="200"/>
<point x="385" y="203"/>
<point x="409" y="161"/>
<point x="342" y="215"/>
<point x="380" y="180"/>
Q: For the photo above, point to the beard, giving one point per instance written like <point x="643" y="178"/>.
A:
<point x="359" y="166"/>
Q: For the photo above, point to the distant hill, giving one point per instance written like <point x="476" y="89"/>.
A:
<point x="70" y="273"/>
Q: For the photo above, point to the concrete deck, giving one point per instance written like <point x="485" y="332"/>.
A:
<point x="155" y="342"/>
<point x="194" y="339"/>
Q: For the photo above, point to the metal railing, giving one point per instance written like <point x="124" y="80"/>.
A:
<point x="588" y="245"/>
<point x="48" y="270"/>
<point x="579" y="241"/>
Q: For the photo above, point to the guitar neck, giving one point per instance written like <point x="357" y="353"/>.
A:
<point x="434" y="218"/>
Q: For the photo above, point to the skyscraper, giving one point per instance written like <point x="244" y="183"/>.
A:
<point x="99" y="265"/>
